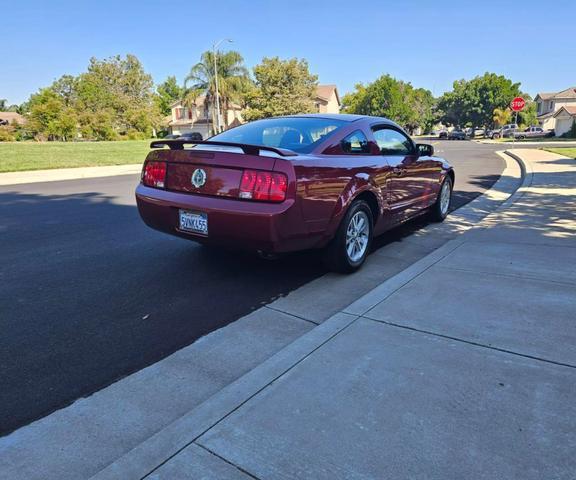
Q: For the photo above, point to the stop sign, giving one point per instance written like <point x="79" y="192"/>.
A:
<point x="517" y="104"/>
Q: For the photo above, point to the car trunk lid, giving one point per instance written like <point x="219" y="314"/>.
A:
<point x="214" y="170"/>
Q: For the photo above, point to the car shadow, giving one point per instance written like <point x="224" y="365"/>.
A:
<point x="90" y="294"/>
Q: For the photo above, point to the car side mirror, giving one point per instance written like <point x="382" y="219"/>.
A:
<point x="425" y="150"/>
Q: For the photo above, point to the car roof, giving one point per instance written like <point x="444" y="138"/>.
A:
<point x="346" y="117"/>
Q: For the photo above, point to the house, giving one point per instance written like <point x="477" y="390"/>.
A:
<point x="8" y="118"/>
<point x="557" y="110"/>
<point x="327" y="99"/>
<point x="198" y="117"/>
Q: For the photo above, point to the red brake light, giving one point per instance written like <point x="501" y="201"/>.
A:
<point x="154" y="174"/>
<point x="278" y="187"/>
<point x="267" y="186"/>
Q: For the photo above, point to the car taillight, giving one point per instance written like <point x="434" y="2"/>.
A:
<point x="154" y="174"/>
<point x="267" y="186"/>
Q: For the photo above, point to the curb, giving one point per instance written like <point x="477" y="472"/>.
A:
<point x="170" y="441"/>
<point x="61" y="174"/>
<point x="167" y="443"/>
<point x="528" y="175"/>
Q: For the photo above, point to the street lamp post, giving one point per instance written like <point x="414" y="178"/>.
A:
<point x="214" y="53"/>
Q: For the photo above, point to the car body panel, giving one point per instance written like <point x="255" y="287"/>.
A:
<point x="321" y="187"/>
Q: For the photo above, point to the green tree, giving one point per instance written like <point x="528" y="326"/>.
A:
<point x="167" y="93"/>
<point x="394" y="99"/>
<point x="65" y="87"/>
<point x="233" y="82"/>
<point x="282" y="87"/>
<point x="49" y="117"/>
<point x="113" y="99"/>
<point x="120" y="86"/>
<point x="472" y="102"/>
<point x="423" y="102"/>
<point x="528" y="116"/>
<point x="3" y="104"/>
<point x="355" y="101"/>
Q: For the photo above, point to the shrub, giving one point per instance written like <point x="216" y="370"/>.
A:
<point x="7" y="134"/>
<point x="572" y="132"/>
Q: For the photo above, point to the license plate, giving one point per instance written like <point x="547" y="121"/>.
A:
<point x="196" y="222"/>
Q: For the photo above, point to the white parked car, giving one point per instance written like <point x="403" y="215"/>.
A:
<point x="533" y="132"/>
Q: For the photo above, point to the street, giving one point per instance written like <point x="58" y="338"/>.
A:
<point x="90" y="294"/>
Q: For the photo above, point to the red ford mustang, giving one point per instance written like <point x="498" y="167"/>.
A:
<point x="329" y="182"/>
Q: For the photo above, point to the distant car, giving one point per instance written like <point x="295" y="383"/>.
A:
<point x="457" y="134"/>
<point x="478" y="132"/>
<point x="282" y="184"/>
<point x="191" y="136"/>
<point x="505" y="132"/>
<point x="443" y="134"/>
<point x="171" y="136"/>
<point x="533" y="132"/>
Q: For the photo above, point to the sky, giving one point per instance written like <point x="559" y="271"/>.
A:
<point x="429" y="44"/>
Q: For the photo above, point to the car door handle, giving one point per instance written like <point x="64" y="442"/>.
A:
<point x="398" y="171"/>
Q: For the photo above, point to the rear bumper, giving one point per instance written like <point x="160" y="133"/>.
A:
<point x="270" y="227"/>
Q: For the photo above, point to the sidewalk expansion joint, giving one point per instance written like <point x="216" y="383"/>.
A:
<point x="240" y="469"/>
<point x="256" y="393"/>
<point x="412" y="277"/>
<point x="292" y="315"/>
<point x="470" y="342"/>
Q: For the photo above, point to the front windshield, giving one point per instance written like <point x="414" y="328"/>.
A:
<point x="300" y="134"/>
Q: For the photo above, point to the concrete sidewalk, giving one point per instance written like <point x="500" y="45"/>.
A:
<point x="461" y="366"/>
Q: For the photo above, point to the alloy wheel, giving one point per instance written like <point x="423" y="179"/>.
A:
<point x="357" y="236"/>
<point x="445" y="198"/>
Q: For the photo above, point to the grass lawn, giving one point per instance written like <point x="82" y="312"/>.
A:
<point x="567" y="152"/>
<point x="19" y="156"/>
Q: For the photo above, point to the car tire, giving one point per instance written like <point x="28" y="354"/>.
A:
<point x="439" y="211"/>
<point x="521" y="137"/>
<point x="343" y="256"/>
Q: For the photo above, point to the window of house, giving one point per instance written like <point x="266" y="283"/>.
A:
<point x="393" y="142"/>
<point x="356" y="143"/>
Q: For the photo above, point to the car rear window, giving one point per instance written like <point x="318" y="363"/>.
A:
<point x="300" y="134"/>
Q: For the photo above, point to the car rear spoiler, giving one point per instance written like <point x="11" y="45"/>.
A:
<point x="178" y="144"/>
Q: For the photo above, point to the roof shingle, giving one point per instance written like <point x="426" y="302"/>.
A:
<point x="11" y="116"/>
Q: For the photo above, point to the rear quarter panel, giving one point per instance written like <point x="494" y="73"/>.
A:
<point x="327" y="184"/>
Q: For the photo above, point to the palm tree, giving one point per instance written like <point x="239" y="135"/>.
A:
<point x="233" y="81"/>
<point x="501" y="116"/>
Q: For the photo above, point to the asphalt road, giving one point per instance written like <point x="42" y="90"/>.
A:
<point x="88" y="294"/>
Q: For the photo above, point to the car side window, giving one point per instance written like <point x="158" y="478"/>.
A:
<point x="356" y="143"/>
<point x="393" y="142"/>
